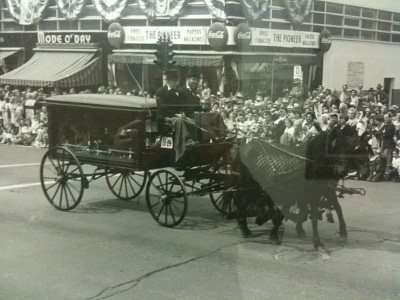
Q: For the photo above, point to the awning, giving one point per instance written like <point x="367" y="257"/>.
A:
<point x="4" y="53"/>
<point x="59" y="68"/>
<point x="181" y="60"/>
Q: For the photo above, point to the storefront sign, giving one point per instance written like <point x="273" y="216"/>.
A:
<point x="243" y="36"/>
<point x="217" y="36"/>
<point x="64" y="38"/>
<point x="183" y="35"/>
<point x="297" y="72"/>
<point x="284" y="38"/>
<point x="115" y="35"/>
<point x="325" y="40"/>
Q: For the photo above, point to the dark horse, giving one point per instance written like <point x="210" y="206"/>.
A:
<point x="300" y="178"/>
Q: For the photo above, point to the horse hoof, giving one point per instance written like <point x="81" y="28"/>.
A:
<point x="318" y="244"/>
<point x="343" y="235"/>
<point x="274" y="241"/>
<point x="245" y="233"/>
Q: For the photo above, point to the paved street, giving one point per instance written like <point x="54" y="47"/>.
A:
<point x="112" y="249"/>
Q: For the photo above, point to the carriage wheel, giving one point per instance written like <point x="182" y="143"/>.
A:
<point x="166" y="198"/>
<point x="62" y="178"/>
<point x="126" y="184"/>
<point x="222" y="183"/>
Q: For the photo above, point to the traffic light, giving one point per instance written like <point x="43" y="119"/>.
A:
<point x="170" y="54"/>
<point x="160" y="57"/>
<point x="164" y="52"/>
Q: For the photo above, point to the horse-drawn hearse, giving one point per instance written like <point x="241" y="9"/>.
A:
<point x="119" y="137"/>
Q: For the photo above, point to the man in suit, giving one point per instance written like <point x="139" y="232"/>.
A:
<point x="344" y="95"/>
<point x="169" y="101"/>
<point x="189" y="95"/>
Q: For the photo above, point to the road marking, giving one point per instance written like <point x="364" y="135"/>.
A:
<point x="19" y="165"/>
<point x="19" y="186"/>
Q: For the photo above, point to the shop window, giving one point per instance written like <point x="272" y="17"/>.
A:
<point x="396" y="17"/>
<point x="12" y="26"/>
<point x="384" y="26"/>
<point x="352" y="10"/>
<point x="90" y="25"/>
<point x="369" y="13"/>
<point x="383" y="37"/>
<point x="319" y="18"/>
<point x="334" y="20"/>
<point x="277" y="3"/>
<point x="47" y="25"/>
<point x="305" y="27"/>
<point x="367" y="35"/>
<point x="192" y="22"/>
<point x="89" y="11"/>
<point x="282" y="26"/>
<point x="385" y="15"/>
<point x="164" y="22"/>
<point x="49" y="13"/>
<point x="352" y="22"/>
<point x="68" y="25"/>
<point x="396" y="38"/>
<point x="33" y="27"/>
<point x="137" y="22"/>
<point x="6" y="15"/>
<point x="318" y="28"/>
<point x="279" y="14"/>
<point x="334" y="8"/>
<point x="368" y="24"/>
<point x="335" y="31"/>
<point x="396" y="27"/>
<point x="319" y="6"/>
<point x="351" y="34"/>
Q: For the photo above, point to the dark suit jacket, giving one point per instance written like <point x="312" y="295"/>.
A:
<point x="386" y="134"/>
<point x="190" y="100"/>
<point x="169" y="102"/>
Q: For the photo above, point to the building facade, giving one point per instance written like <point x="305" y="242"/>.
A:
<point x="237" y="45"/>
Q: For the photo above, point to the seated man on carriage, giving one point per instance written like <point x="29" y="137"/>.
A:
<point x="180" y="111"/>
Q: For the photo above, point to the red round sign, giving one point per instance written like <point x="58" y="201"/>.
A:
<point x="217" y="36"/>
<point x="243" y="36"/>
<point x="115" y="34"/>
<point x="325" y="40"/>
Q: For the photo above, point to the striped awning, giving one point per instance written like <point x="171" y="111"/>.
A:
<point x="4" y="53"/>
<point x="181" y="60"/>
<point x="57" y="68"/>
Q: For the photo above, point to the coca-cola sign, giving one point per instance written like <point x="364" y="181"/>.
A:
<point x="325" y="40"/>
<point x="115" y="34"/>
<point x="243" y="36"/>
<point x="217" y="36"/>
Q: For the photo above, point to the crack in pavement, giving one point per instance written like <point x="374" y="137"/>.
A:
<point x="126" y="286"/>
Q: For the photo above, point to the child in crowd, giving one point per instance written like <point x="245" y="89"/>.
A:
<point x="42" y="136"/>
<point x="9" y="133"/>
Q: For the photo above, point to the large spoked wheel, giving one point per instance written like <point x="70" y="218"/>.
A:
<point x="222" y="184"/>
<point x="62" y="178"/>
<point x="166" y="198"/>
<point x="126" y="184"/>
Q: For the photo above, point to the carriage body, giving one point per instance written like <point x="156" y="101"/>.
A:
<point x="118" y="137"/>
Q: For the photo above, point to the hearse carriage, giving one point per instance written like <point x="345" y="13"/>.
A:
<point x="119" y="137"/>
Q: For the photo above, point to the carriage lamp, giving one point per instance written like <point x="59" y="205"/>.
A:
<point x="150" y="125"/>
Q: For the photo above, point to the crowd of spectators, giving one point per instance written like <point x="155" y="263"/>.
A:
<point x="291" y="119"/>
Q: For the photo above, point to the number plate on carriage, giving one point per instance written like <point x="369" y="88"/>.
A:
<point x="167" y="142"/>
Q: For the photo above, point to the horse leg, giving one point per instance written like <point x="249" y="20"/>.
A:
<point x="314" y="222"/>
<point x="277" y="218"/>
<point x="242" y="203"/>
<point x="300" y="230"/>
<point x="342" y="223"/>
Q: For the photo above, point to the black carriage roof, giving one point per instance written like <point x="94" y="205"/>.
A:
<point x="101" y="101"/>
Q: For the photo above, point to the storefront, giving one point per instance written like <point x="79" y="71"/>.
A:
<point x="61" y="60"/>
<point x="232" y="58"/>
